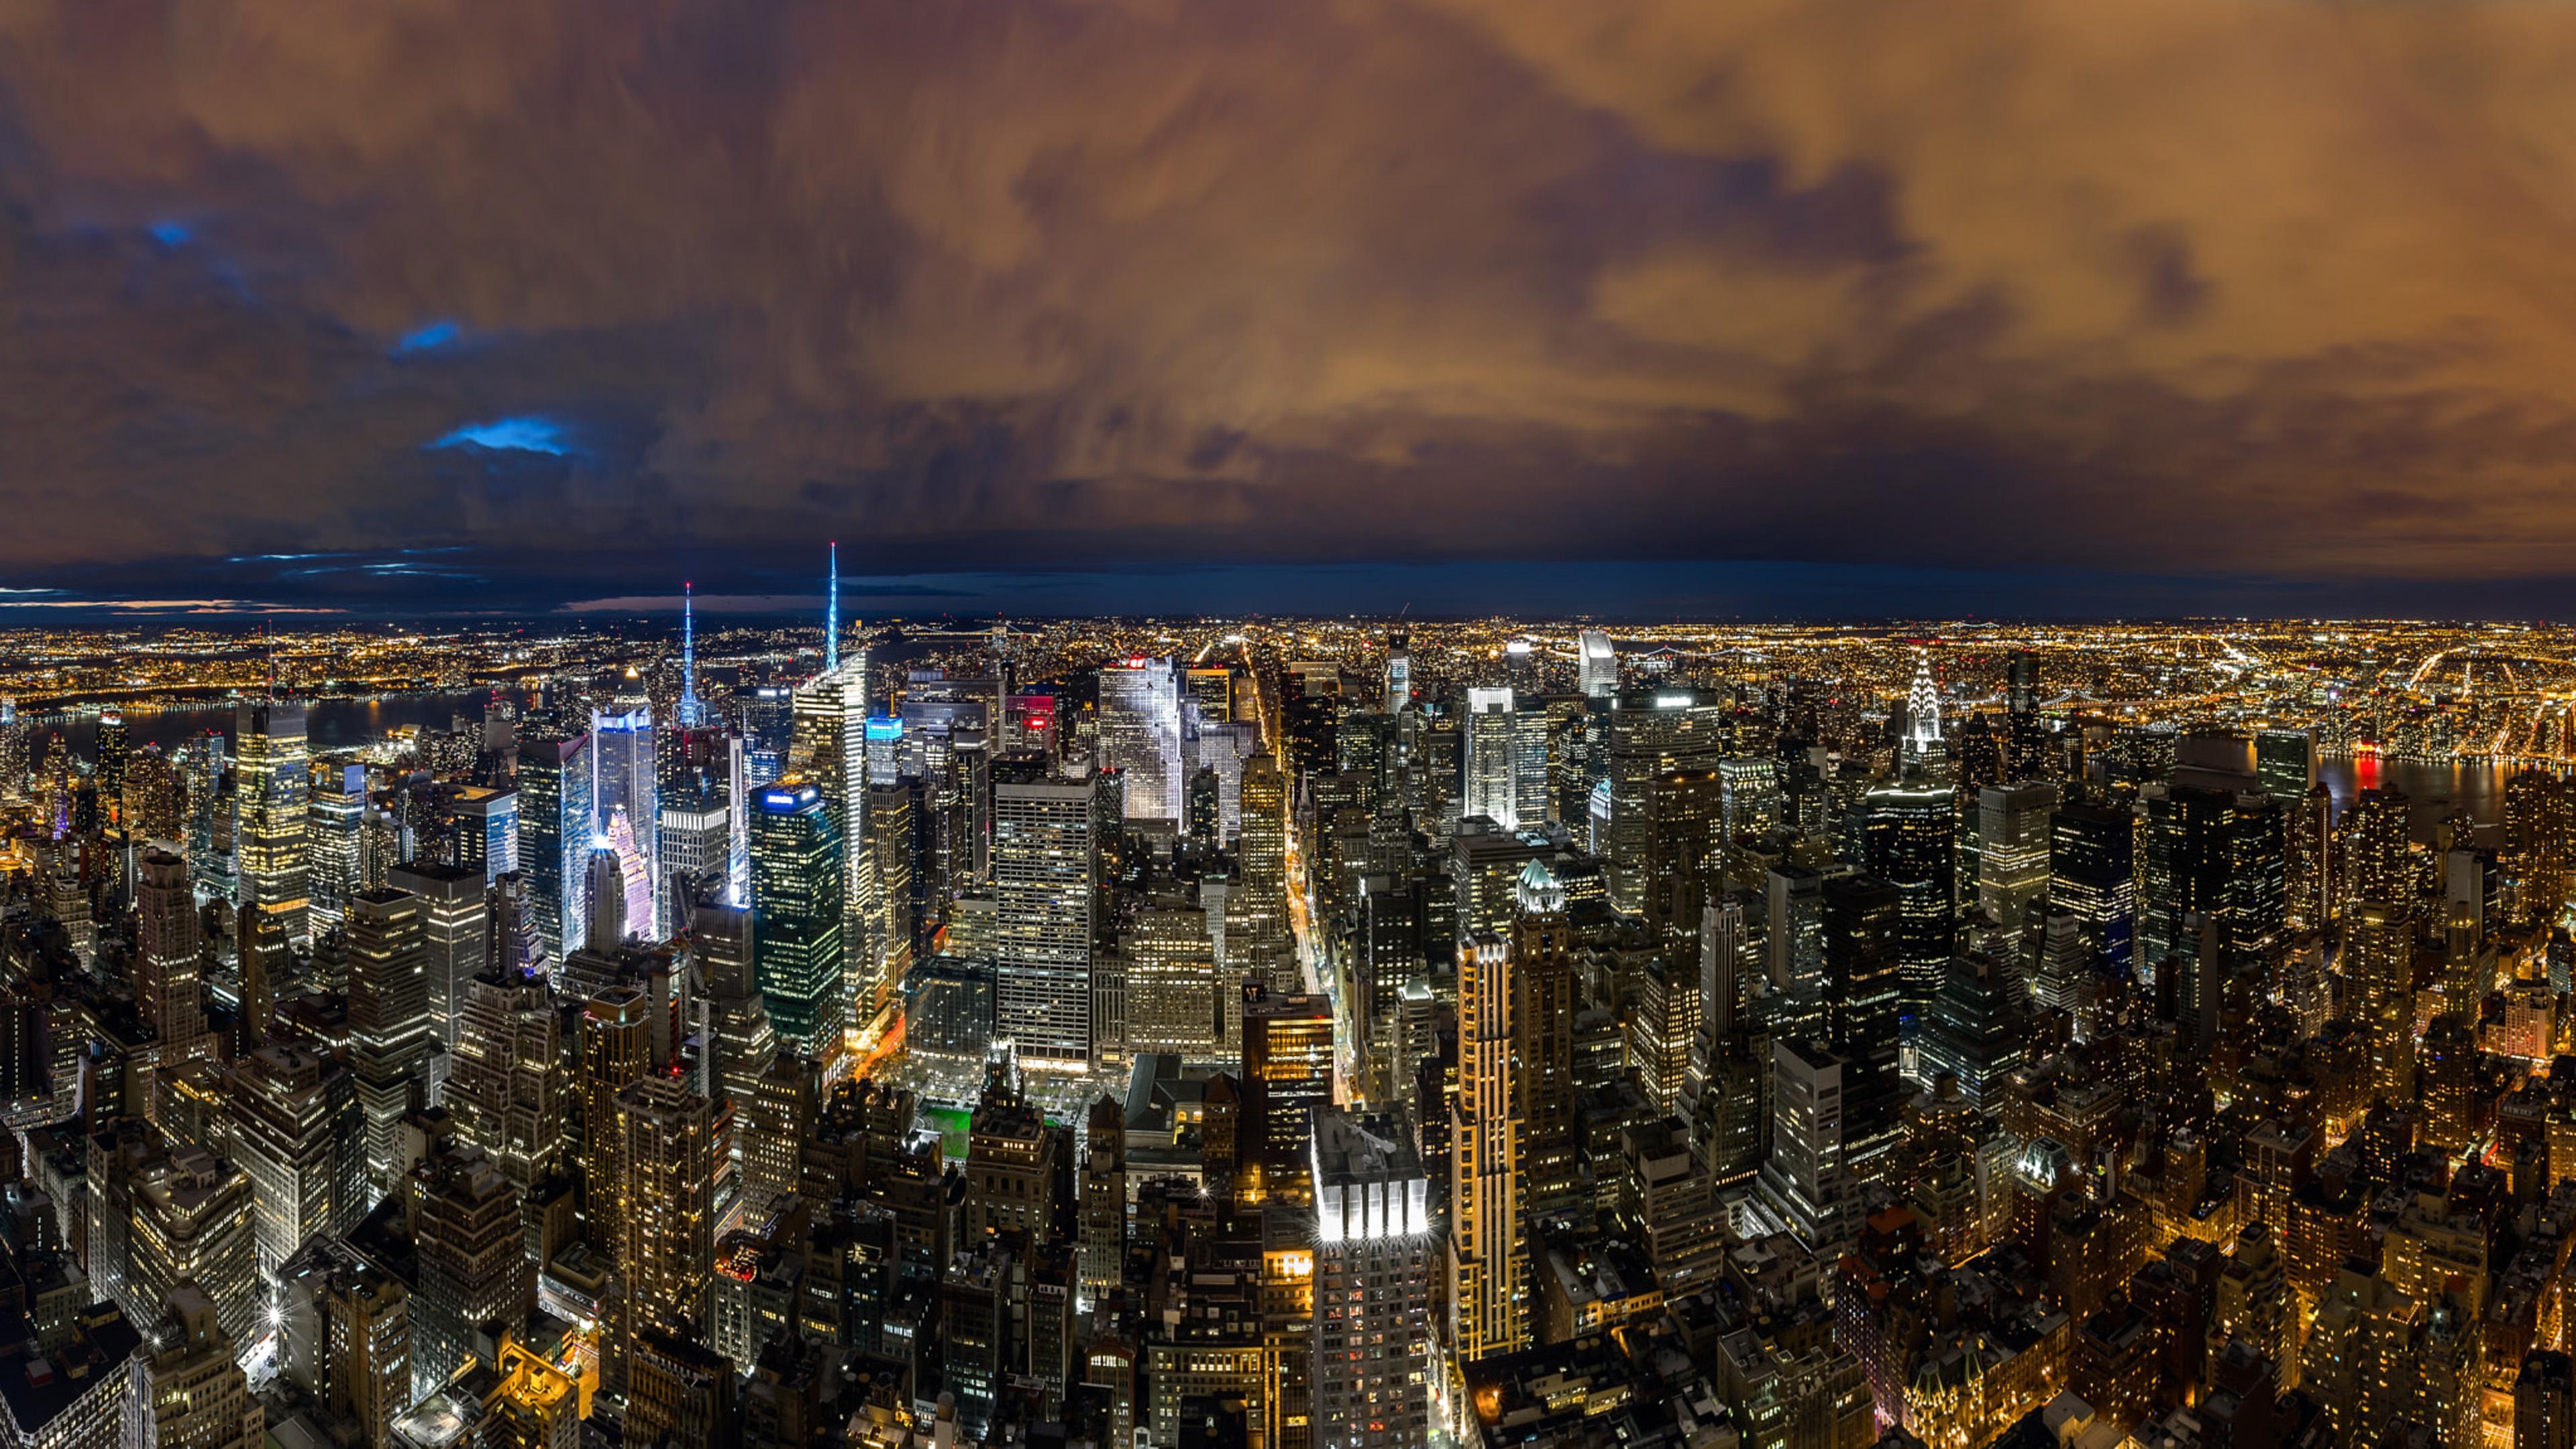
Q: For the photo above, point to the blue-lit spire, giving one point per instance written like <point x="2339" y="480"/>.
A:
<point x="692" y="713"/>
<point x="832" y="613"/>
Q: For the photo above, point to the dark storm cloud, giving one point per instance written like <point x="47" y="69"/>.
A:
<point x="2153" y="286"/>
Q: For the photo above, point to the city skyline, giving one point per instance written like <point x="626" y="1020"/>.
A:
<point x="1288" y="724"/>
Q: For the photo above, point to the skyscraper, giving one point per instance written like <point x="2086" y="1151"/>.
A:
<point x="1807" y="1179"/>
<point x="391" y="1031"/>
<point x="2285" y="764"/>
<point x="508" y="1089"/>
<point x="188" y="1392"/>
<point x="1043" y="860"/>
<point x="1373" y="1250"/>
<point x="556" y="831"/>
<point x="2215" y="849"/>
<point x="473" y="1264"/>
<point x="271" y="785"/>
<point x="339" y="806"/>
<point x="1491" y="784"/>
<point x="192" y="1223"/>
<point x="167" y="989"/>
<point x="300" y="1136"/>
<point x="1864" y="926"/>
<point x="2091" y="850"/>
<point x="115" y="753"/>
<point x="829" y="752"/>
<point x="455" y="935"/>
<point x="616" y="1052"/>
<point x="797" y="914"/>
<point x="1488" y="1296"/>
<point x="487" y="831"/>
<point x="1924" y="750"/>
<point x="1140" y="734"/>
<point x="1287" y="1075"/>
<point x="1649" y="733"/>
<point x="1911" y="841"/>
<point x="1543" y="1086"/>
<point x="1596" y="664"/>
<point x="2012" y="852"/>
<point x="625" y="776"/>
<point x="665" y="1150"/>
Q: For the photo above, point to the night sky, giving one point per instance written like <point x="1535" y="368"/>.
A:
<point x="1797" y="306"/>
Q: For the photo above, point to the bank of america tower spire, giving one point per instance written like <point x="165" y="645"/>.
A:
<point x="832" y="613"/>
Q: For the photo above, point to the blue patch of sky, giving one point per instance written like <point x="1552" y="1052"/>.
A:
<point x="527" y="434"/>
<point x="428" y="337"/>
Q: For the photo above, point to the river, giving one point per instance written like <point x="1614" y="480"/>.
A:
<point x="329" y="724"/>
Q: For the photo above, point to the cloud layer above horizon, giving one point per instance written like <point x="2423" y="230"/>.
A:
<point x="2283" y="290"/>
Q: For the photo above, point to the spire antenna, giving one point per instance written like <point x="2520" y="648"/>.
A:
<point x="692" y="713"/>
<point x="832" y="613"/>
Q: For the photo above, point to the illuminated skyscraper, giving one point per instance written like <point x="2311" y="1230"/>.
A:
<point x="797" y="913"/>
<point x="1140" y="734"/>
<point x="2090" y="874"/>
<point x="2012" y="852"/>
<point x="487" y="831"/>
<point x="556" y="831"/>
<point x="300" y="1136"/>
<point x="1287" y="1075"/>
<point x="625" y="784"/>
<point x="1911" y="841"/>
<point x="115" y="752"/>
<point x="616" y="1052"/>
<point x="1489" y="789"/>
<point x="473" y="1264"/>
<point x="1864" y="924"/>
<point x="636" y="871"/>
<point x="832" y="613"/>
<point x="1924" y="751"/>
<point x="390" y="1029"/>
<point x="508" y="1088"/>
<point x="767" y="714"/>
<point x="665" y="1149"/>
<point x="2379" y="965"/>
<point x="604" y="885"/>
<point x="1807" y="1179"/>
<point x="829" y="752"/>
<point x="1373" y="1265"/>
<point x="514" y="926"/>
<point x="192" y="1223"/>
<point x="1399" y="670"/>
<point x="1596" y="664"/>
<point x="167" y="989"/>
<point x="697" y="856"/>
<point x="211" y="834"/>
<point x="271" y="786"/>
<point x="1488" y="1296"/>
<point x="1544" y="1089"/>
<point x="339" y="805"/>
<point x="1043" y="859"/>
<point x="455" y="935"/>
<point x="2218" y="850"/>
<point x="367" y="1316"/>
<point x="2539" y="839"/>
<point x="188" y="1392"/>
<point x="1647" y="734"/>
<point x="2285" y="763"/>
<point x="2378" y="850"/>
